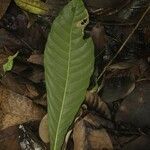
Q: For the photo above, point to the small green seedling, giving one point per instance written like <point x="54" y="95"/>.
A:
<point x="9" y="64"/>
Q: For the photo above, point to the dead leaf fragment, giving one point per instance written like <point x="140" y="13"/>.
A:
<point x="43" y="129"/>
<point x="135" y="109"/>
<point x="141" y="143"/>
<point x="17" y="108"/>
<point x="10" y="42"/>
<point x="33" y="6"/>
<point x="99" y="37"/>
<point x="79" y="137"/>
<point x="117" y="86"/>
<point x="87" y="136"/>
<point x="121" y="66"/>
<point x="9" y="137"/>
<point x="99" y="139"/>
<point x="98" y="121"/>
<point x="20" y="85"/>
<point x="3" y="7"/>
<point x="33" y="72"/>
<point x="94" y="102"/>
<point x="36" y="59"/>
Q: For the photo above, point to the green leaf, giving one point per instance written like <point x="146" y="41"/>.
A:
<point x="68" y="60"/>
<point x="8" y="66"/>
<point x="33" y="6"/>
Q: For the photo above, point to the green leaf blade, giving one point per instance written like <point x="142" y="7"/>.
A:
<point x="68" y="67"/>
<point x="9" y="64"/>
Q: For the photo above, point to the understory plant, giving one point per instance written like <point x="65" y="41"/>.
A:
<point x="69" y="63"/>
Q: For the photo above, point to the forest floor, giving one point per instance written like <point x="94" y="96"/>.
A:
<point x="117" y="116"/>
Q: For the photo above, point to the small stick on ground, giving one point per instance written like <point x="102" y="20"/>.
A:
<point x="122" y="46"/>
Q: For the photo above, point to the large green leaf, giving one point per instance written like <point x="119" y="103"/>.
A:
<point x="68" y="66"/>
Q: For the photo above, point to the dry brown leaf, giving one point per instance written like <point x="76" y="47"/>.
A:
<point x="3" y="7"/>
<point x="121" y="66"/>
<point x="32" y="90"/>
<point x="34" y="73"/>
<point x="79" y="136"/>
<point x="11" y="120"/>
<point x="99" y="139"/>
<point x="42" y="101"/>
<point x="17" y="108"/>
<point x="141" y="143"/>
<point x="43" y="129"/>
<point x="36" y="59"/>
<point x="99" y="37"/>
<point x="117" y="86"/>
<point x="9" y="41"/>
<point x="135" y="109"/>
<point x="95" y="103"/>
<point x="20" y="85"/>
<point x="9" y="137"/>
<point x="98" y="121"/>
<point x="87" y="136"/>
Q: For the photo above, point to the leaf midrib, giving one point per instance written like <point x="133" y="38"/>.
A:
<point x="66" y="84"/>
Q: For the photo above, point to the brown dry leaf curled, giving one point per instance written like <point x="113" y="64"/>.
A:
<point x="94" y="102"/>
<point x="87" y="136"/>
<point x="3" y="7"/>
<point x="33" y="6"/>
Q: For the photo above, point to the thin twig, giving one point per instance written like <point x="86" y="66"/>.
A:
<point x="121" y="48"/>
<point x="26" y="44"/>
